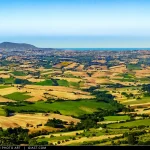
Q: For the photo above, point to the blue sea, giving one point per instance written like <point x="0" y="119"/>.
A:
<point x="105" y="49"/>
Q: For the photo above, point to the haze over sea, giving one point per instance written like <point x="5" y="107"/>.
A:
<point x="105" y="49"/>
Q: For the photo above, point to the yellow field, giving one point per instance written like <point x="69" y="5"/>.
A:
<point x="80" y="68"/>
<point x="4" y="76"/>
<point x="96" y="80"/>
<point x="8" y="91"/>
<point x="100" y="74"/>
<point x="35" y="80"/>
<point x="62" y="64"/>
<point x="23" y="77"/>
<point x="69" y="96"/>
<point x="142" y="73"/>
<point x="55" y="91"/>
<point x="90" y="139"/>
<point x="72" y="133"/>
<point x="76" y="73"/>
<point x="32" y="119"/>
<point x="4" y="72"/>
<point x="118" y="69"/>
<point x="70" y="66"/>
<point x="100" y="61"/>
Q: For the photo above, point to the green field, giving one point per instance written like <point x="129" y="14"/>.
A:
<point x="9" y="80"/>
<point x="133" y="67"/>
<point x="75" y="84"/>
<point x="74" y="108"/>
<point x="126" y="80"/>
<point x="17" y="96"/>
<point x="59" y="82"/>
<point x="145" y="122"/>
<point x="140" y="101"/>
<point x="45" y="83"/>
<point x="63" y="83"/>
<point x="55" y="139"/>
<point x="116" y="118"/>
<point x="4" y="86"/>
<point x="18" y="73"/>
<point x="67" y="84"/>
<point x="126" y="75"/>
<point x="2" y="112"/>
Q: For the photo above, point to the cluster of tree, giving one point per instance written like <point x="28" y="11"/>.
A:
<point x="38" y="133"/>
<point x="86" y="124"/>
<point x="91" y="89"/>
<point x="56" y="123"/>
<point x="55" y="83"/>
<point x="132" y="137"/>
<point x="22" y="81"/>
<point x="97" y="116"/>
<point x="14" y="136"/>
<point x="37" y="73"/>
<point x="17" y="136"/>
<point x="45" y="63"/>
<point x="90" y="120"/>
<point x="8" y="112"/>
<point x="100" y="95"/>
<point x="1" y="80"/>
<point x="33" y="142"/>
<point x="5" y="62"/>
<point x="18" y="103"/>
<point x="85" y="60"/>
<point x="146" y="88"/>
<point x="103" y="96"/>
<point x="130" y="95"/>
<point x="117" y="85"/>
<point x="108" y="98"/>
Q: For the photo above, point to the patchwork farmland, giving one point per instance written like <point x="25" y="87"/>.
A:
<point x="97" y="98"/>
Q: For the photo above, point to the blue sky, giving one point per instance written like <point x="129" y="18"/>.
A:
<point x="76" y="23"/>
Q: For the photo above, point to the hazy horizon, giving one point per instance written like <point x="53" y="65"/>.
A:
<point x="78" y="23"/>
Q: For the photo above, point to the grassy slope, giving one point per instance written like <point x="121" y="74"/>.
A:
<point x="60" y="83"/>
<point x="75" y="108"/>
<point x="116" y="118"/>
<point x="63" y="83"/>
<point x="133" y="66"/>
<point x="17" y="96"/>
<point x="54" y="139"/>
<point x="130" y="124"/>
<point x="9" y="80"/>
<point x="46" y="83"/>
<point x="18" y="73"/>
<point x="2" y="112"/>
<point x="3" y="86"/>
